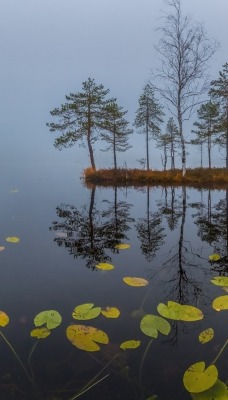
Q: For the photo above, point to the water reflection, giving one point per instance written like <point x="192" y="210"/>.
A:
<point x="90" y="232"/>
<point x="172" y="232"/>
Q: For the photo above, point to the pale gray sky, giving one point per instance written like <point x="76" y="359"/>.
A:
<point x="49" y="47"/>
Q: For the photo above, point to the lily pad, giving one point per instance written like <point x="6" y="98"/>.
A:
<point x="217" y="392"/>
<point x="179" y="312"/>
<point x="220" y="303"/>
<point x="206" y="335"/>
<point x="111" y="312"/>
<point x="214" y="257"/>
<point x="122" y="246"/>
<point x="86" y="311"/>
<point x="86" y="337"/>
<point x="40" y="333"/>
<point x="13" y="239"/>
<point x="152" y="324"/>
<point x="130" y="344"/>
<point x="133" y="281"/>
<point x="105" y="266"/>
<point x="220" y="280"/>
<point x="4" y="319"/>
<point x="198" y="379"/>
<point x="50" y="318"/>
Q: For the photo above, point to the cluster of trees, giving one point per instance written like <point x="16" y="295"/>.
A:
<point x="180" y="81"/>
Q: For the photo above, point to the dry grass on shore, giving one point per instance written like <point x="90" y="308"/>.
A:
<point x="214" y="177"/>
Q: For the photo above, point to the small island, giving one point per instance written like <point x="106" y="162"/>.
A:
<point x="203" y="177"/>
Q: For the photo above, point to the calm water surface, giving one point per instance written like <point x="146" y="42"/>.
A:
<point x="65" y="230"/>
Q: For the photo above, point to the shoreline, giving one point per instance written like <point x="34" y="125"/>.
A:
<point x="195" y="177"/>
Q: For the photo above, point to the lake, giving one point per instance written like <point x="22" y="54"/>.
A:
<point x="65" y="230"/>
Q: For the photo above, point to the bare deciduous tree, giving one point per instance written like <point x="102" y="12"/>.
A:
<point x="185" y="51"/>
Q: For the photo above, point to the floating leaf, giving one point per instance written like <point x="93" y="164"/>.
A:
<point x="12" y="239"/>
<point x="191" y="313"/>
<point x="40" y="333"/>
<point x="220" y="303"/>
<point x="86" y="311"/>
<point x="173" y="310"/>
<point x="130" y="344"/>
<point x="86" y="337"/>
<point x="206" y="336"/>
<point x="122" y="246"/>
<point x="4" y="319"/>
<point x="111" y="312"/>
<point x="225" y="288"/>
<point x="220" y="280"/>
<point x="51" y="318"/>
<point x="214" y="257"/>
<point x="198" y="379"/>
<point x="179" y="312"/>
<point x="105" y="266"/>
<point x="152" y="324"/>
<point x="217" y="392"/>
<point x="132" y="281"/>
<point x="2" y="248"/>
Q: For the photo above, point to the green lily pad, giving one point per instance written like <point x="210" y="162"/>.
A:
<point x="152" y="324"/>
<point x="50" y="318"/>
<point x="86" y="311"/>
<point x="179" y="312"/>
<point x="197" y="379"/>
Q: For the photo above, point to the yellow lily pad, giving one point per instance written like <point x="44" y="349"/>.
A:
<point x="133" y="281"/>
<point x="122" y="246"/>
<point x="198" y="379"/>
<point x="50" y="318"/>
<point x="220" y="303"/>
<point x="218" y="391"/>
<point x="130" y="344"/>
<point x="86" y="337"/>
<point x="105" y="266"/>
<point x="40" y="333"/>
<point x="111" y="312"/>
<point x="86" y="311"/>
<point x="179" y="312"/>
<point x="220" y="280"/>
<point x="206" y="335"/>
<point x="13" y="239"/>
<point x="4" y="319"/>
<point x="214" y="257"/>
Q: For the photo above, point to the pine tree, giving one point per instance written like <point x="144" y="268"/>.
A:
<point x="81" y="117"/>
<point x="208" y="125"/>
<point x="219" y="91"/>
<point x="115" y="129"/>
<point x="168" y="142"/>
<point x="148" y="117"/>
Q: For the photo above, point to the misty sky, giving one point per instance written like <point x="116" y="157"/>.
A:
<point x="49" y="47"/>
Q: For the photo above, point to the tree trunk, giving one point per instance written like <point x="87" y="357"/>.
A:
<point x="147" y="140"/>
<point x="183" y="158"/>
<point x="93" y="166"/>
<point x="114" y="149"/>
<point x="227" y="134"/>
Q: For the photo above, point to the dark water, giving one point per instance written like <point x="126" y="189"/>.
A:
<point x="65" y="230"/>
